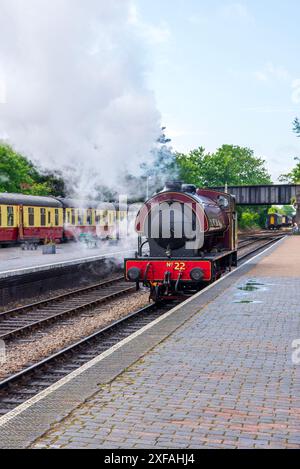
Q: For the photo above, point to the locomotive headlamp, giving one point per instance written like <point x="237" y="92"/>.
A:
<point x="134" y="274"/>
<point x="197" y="275"/>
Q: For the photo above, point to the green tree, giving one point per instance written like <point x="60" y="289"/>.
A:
<point x="163" y="167"/>
<point x="294" y="176"/>
<point x="190" y="167"/>
<point x="18" y="174"/>
<point x="296" y="125"/>
<point x="288" y="210"/>
<point x="249" y="220"/>
<point x="230" y="164"/>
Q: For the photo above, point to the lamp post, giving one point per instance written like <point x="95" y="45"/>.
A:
<point x="298" y="208"/>
<point x="148" y="190"/>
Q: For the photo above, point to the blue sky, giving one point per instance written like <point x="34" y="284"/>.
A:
<point x="226" y="72"/>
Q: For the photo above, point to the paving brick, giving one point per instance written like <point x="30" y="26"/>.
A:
<point x="224" y="379"/>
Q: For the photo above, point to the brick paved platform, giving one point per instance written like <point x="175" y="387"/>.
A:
<point x="223" y="379"/>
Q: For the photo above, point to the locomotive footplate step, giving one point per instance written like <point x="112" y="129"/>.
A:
<point x="217" y="371"/>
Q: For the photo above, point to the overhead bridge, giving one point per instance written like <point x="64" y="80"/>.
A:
<point x="281" y="194"/>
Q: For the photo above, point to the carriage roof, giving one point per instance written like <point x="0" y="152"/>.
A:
<point x="86" y="204"/>
<point x="29" y="200"/>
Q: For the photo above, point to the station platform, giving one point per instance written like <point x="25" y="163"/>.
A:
<point x="14" y="261"/>
<point x="25" y="275"/>
<point x="218" y="371"/>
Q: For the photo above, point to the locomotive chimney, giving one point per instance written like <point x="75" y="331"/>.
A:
<point x="173" y="186"/>
<point x="189" y="188"/>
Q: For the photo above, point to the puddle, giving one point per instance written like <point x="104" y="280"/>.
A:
<point x="252" y="285"/>
<point x="248" y="288"/>
<point x="247" y="302"/>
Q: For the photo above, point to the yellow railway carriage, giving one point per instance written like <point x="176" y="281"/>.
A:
<point x="85" y="217"/>
<point x="34" y="219"/>
<point x="29" y="218"/>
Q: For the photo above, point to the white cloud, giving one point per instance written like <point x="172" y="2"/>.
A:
<point x="154" y="34"/>
<point x="269" y="109"/>
<point x="76" y="96"/>
<point x="133" y="14"/>
<point x="178" y="132"/>
<point x="261" y="76"/>
<point x="272" y="72"/>
<point x="157" y="34"/>
<point x="236" y="10"/>
<point x="198" y="20"/>
<point x="2" y="91"/>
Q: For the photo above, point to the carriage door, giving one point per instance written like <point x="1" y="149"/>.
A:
<point x="21" y="222"/>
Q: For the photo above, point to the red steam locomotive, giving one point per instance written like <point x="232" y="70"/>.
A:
<point x="187" y="240"/>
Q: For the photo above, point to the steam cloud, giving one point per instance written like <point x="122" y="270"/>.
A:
<point x="75" y="94"/>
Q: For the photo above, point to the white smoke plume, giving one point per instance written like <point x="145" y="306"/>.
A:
<point x="75" y="93"/>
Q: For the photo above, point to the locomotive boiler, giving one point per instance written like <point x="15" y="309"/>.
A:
<point x="187" y="240"/>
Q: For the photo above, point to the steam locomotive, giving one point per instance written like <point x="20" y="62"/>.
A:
<point x="187" y="240"/>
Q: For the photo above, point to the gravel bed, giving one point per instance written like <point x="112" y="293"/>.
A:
<point x="38" y="345"/>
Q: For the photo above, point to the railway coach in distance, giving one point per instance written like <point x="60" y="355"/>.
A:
<point x="274" y="221"/>
<point x="191" y="236"/>
<point x="25" y="218"/>
<point x="31" y="220"/>
<point x="89" y="217"/>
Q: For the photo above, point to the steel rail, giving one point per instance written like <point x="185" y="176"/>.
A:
<point x="22" y="320"/>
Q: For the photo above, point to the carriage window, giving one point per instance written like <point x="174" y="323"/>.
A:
<point x="112" y="217"/>
<point x="56" y="217"/>
<point x="43" y="217"/>
<point x="49" y="217"/>
<point x="73" y="217"/>
<point x="68" y="220"/>
<point x="10" y="216"/>
<point x="98" y="219"/>
<point x="81" y="217"/>
<point x="31" y="216"/>
<point x="89" y="217"/>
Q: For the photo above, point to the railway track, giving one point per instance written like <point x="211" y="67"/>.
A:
<point x="254" y="245"/>
<point x="22" y="320"/>
<point x="18" y="321"/>
<point x="24" y="385"/>
<point x="20" y="387"/>
<point x="245" y="240"/>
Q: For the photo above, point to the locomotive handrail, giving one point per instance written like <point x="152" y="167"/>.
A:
<point x="147" y="271"/>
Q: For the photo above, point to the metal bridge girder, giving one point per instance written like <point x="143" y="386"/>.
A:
<point x="277" y="194"/>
